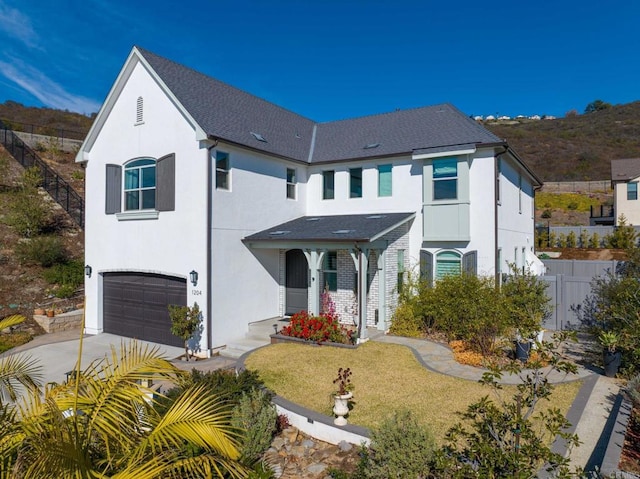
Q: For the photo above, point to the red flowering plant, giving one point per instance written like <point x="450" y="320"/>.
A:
<point x="317" y="329"/>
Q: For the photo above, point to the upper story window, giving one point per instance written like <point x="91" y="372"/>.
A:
<point x="140" y="185"/>
<point x="139" y="111"/>
<point x="147" y="186"/>
<point x="328" y="184"/>
<point x="355" y="182"/>
<point x="291" y="183"/>
<point x="222" y="171"/>
<point x="385" y="180"/>
<point x="445" y="179"/>
<point x="520" y="194"/>
<point x="632" y="191"/>
<point x="330" y="270"/>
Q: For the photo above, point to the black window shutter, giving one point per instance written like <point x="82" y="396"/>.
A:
<point x="113" y="189"/>
<point x="166" y="183"/>
<point x="470" y="263"/>
<point x="426" y="266"/>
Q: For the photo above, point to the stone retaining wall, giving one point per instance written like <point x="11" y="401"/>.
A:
<point x="60" y="322"/>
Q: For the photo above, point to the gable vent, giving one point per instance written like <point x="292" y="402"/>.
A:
<point x="139" y="110"/>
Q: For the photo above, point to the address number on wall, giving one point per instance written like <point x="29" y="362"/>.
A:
<point x="196" y="292"/>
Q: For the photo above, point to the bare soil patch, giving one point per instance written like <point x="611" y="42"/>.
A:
<point x="630" y="457"/>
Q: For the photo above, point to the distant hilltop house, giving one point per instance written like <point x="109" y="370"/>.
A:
<point x="625" y="176"/>
<point x="507" y="118"/>
<point x="200" y="192"/>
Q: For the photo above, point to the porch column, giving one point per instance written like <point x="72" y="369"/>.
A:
<point x="382" y="290"/>
<point x="314" y="260"/>
<point x="363" y="268"/>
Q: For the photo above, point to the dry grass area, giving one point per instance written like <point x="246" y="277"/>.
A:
<point x="385" y="377"/>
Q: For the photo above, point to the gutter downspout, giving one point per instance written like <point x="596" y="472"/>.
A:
<point x="496" y="259"/>
<point x="209" y="242"/>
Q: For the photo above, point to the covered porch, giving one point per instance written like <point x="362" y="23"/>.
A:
<point x="356" y="258"/>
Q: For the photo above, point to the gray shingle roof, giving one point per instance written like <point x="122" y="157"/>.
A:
<point x="335" y="228"/>
<point x="230" y="114"/>
<point x="625" y="169"/>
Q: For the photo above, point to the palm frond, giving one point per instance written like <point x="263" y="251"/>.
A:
<point x="11" y="321"/>
<point x="16" y="371"/>
<point x="198" y="418"/>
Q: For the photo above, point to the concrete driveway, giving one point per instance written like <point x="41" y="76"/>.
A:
<point x="58" y="358"/>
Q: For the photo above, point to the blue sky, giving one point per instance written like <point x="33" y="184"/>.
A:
<point x="334" y="59"/>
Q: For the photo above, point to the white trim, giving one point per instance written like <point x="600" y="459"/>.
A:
<point x="133" y="59"/>
<point x="440" y="154"/>
<point x="138" y="215"/>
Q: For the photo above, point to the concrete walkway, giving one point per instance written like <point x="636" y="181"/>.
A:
<point x="439" y="358"/>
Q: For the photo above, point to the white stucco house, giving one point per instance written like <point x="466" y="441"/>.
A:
<point x="625" y="176"/>
<point x="200" y="192"/>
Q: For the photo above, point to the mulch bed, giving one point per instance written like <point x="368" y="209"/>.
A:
<point x="630" y="457"/>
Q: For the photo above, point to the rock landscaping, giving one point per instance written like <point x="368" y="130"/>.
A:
<point x="294" y="455"/>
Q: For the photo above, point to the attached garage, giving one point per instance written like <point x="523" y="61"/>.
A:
<point x="135" y="305"/>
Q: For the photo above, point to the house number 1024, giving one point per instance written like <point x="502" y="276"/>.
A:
<point x="196" y="292"/>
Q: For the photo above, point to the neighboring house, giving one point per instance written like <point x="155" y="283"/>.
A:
<point x="625" y="175"/>
<point x="200" y="192"/>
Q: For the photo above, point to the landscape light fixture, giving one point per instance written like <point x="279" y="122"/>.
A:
<point x="87" y="271"/>
<point x="193" y="276"/>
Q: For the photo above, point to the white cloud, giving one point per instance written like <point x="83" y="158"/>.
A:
<point x="17" y="25"/>
<point x="49" y="92"/>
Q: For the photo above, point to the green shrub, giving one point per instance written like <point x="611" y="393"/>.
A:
<point x="526" y="300"/>
<point x="400" y="448"/>
<point x="70" y="273"/>
<point x="546" y="214"/>
<point x="256" y="417"/>
<point x="466" y="307"/>
<point x="562" y="240"/>
<point x="553" y="239"/>
<point x="225" y="384"/>
<point x="406" y="322"/>
<point x="594" y="242"/>
<point x="572" y="240"/>
<point x="65" y="291"/>
<point x="43" y="250"/>
<point x="624" y="236"/>
<point x="584" y="238"/>
<point x="28" y="214"/>
<point x="572" y="205"/>
<point x="633" y="390"/>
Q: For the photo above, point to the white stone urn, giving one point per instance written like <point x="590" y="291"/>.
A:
<point x="341" y="408"/>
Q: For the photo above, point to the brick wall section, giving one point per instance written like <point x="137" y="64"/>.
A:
<point x="345" y="298"/>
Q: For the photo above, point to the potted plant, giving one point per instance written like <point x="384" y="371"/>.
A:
<point x="342" y="395"/>
<point x="39" y="311"/>
<point x="184" y="323"/>
<point x="51" y="313"/>
<point x="611" y="356"/>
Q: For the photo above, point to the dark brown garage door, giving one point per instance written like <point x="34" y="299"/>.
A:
<point x="135" y="305"/>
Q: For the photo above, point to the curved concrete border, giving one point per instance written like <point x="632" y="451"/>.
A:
<point x="313" y="423"/>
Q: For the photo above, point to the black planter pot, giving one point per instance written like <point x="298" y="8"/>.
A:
<point x="523" y="348"/>
<point x="611" y="362"/>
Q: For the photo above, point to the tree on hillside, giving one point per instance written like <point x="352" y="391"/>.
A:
<point x="597" y="105"/>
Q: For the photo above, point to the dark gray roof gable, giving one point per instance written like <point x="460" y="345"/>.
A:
<point x="625" y="169"/>
<point x="232" y="115"/>
<point x="333" y="228"/>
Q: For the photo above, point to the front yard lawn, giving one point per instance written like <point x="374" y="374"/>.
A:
<point x="385" y="377"/>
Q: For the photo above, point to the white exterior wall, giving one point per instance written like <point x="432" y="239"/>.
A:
<point x="406" y="194"/>
<point x="622" y="206"/>
<point x="516" y="225"/>
<point x="173" y="244"/>
<point x="482" y="212"/>
<point x="245" y="281"/>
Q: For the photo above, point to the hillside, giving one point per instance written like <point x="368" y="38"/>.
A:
<point x="578" y="147"/>
<point x="44" y="121"/>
